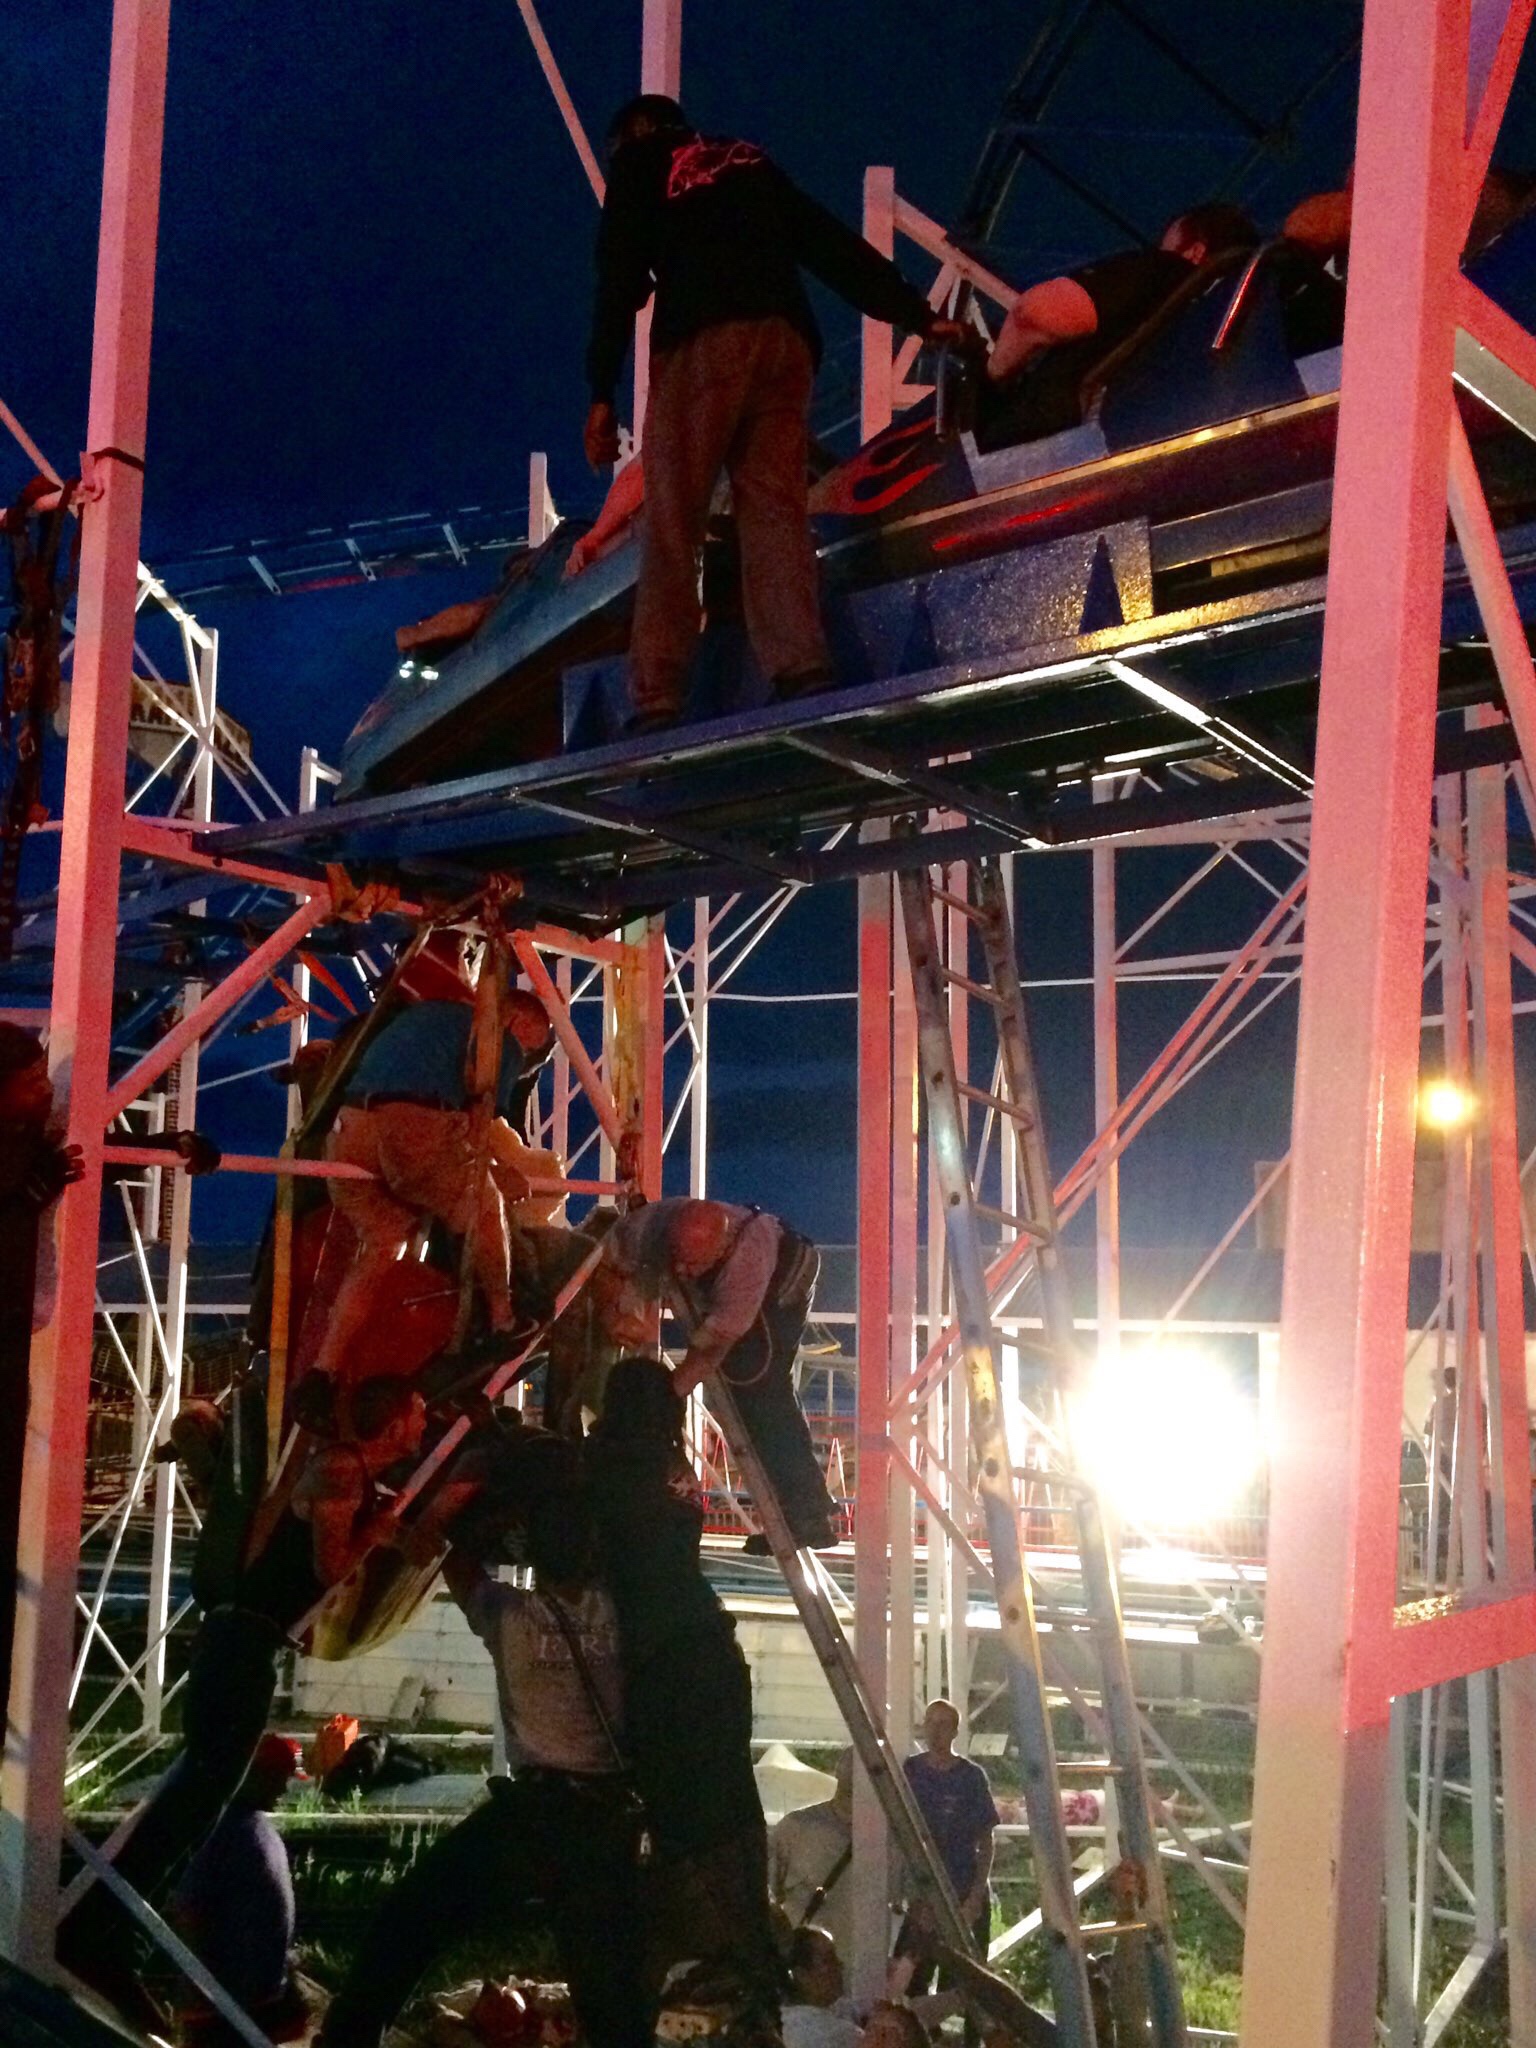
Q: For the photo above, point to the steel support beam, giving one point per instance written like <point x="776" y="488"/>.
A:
<point x="870" y="1872"/>
<point x="661" y="70"/>
<point x="877" y="389"/>
<point x="90" y="856"/>
<point x="1310" y="1974"/>
<point x="1106" y="1094"/>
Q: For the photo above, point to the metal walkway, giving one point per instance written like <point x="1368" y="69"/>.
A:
<point x="1214" y="707"/>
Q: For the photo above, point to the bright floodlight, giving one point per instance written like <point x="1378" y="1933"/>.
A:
<point x="1445" y="1105"/>
<point x="1169" y="1435"/>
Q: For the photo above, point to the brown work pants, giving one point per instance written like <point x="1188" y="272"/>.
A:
<point x="733" y="397"/>
<point x="423" y="1163"/>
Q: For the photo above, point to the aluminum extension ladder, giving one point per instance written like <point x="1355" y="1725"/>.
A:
<point x="1145" y="1973"/>
<point x="807" y="1582"/>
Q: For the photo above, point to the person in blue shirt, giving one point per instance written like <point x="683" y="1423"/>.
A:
<point x="406" y="1117"/>
<point x="955" y="1799"/>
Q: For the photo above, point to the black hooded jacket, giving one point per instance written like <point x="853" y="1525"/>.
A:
<point x="718" y="231"/>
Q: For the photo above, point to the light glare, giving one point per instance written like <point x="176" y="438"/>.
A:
<point x="1445" y="1105"/>
<point x="1168" y="1435"/>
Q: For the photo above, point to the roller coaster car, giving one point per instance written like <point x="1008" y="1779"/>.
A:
<point x="1189" y="466"/>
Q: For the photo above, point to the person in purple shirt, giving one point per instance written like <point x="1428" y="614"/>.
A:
<point x="956" y="1801"/>
<point x="235" y="1907"/>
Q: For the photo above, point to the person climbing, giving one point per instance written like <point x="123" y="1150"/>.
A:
<point x="740" y="1281"/>
<point x="406" y="1118"/>
<point x="257" y="1573"/>
<point x="716" y="230"/>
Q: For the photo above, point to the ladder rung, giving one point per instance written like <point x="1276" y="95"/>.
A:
<point x="1000" y="1103"/>
<point x="1101" y="1930"/>
<point x="1051" y="1476"/>
<point x="1093" y="1767"/>
<point x="982" y="990"/>
<point x="1038" y="1231"/>
<point x="963" y="904"/>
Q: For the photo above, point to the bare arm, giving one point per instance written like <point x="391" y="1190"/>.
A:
<point x="735" y="1300"/>
<point x="623" y="501"/>
<point x="1057" y="310"/>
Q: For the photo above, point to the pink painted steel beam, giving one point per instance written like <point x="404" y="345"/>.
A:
<point x="169" y="840"/>
<point x="1417" y="1654"/>
<point x="872" y="1523"/>
<point x="237" y="1162"/>
<point x="661" y="47"/>
<point x="877" y="388"/>
<point x="219" y="1001"/>
<point x="1487" y="322"/>
<point x="321" y="1169"/>
<point x="562" y="98"/>
<point x="1310" y="1973"/>
<point x="89" y="862"/>
<point x="651" y="965"/>
<point x="1498" y="1167"/>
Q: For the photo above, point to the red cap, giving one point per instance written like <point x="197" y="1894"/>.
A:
<point x="435" y="974"/>
<point x="279" y="1754"/>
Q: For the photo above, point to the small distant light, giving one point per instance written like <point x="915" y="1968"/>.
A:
<point x="429" y="675"/>
<point x="407" y="668"/>
<point x="1445" y="1105"/>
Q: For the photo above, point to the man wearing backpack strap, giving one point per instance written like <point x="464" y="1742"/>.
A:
<point x="564" y="1828"/>
<point x="740" y="1283"/>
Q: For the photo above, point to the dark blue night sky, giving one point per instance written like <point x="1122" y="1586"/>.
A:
<point x="372" y="300"/>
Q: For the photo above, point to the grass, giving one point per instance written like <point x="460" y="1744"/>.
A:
<point x="341" y="1877"/>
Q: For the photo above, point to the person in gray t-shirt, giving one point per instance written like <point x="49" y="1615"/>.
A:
<point x="547" y="1714"/>
<point x="564" y="1828"/>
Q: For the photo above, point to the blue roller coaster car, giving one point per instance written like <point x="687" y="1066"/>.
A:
<point x="1188" y="468"/>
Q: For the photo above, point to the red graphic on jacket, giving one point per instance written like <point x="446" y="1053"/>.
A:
<point x="706" y="160"/>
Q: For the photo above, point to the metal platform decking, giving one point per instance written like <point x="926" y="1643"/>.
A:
<point x="1217" y="702"/>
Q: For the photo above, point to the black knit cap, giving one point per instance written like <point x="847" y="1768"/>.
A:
<point x="638" y="1400"/>
<point x="652" y="108"/>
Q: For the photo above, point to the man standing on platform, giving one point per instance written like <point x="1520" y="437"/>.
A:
<point x="720" y="234"/>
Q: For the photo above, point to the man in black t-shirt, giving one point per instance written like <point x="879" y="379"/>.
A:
<point x="720" y="234"/>
<point x="1060" y="328"/>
